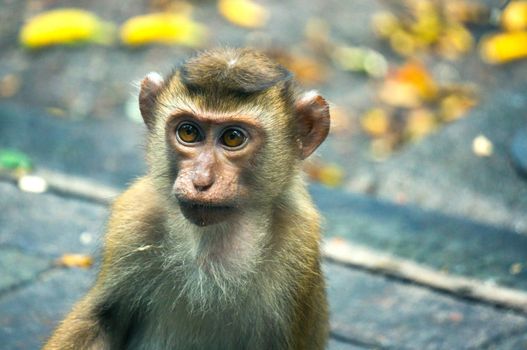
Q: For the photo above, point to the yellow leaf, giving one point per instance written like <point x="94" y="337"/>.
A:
<point x="504" y="47"/>
<point x="375" y="122"/>
<point x="455" y="106"/>
<point x="331" y="175"/>
<point x="162" y="28"/>
<point x="65" y="26"/>
<point x="420" y="123"/>
<point x="75" y="260"/>
<point x="514" y="17"/>
<point x="244" y="13"/>
<point x="456" y="40"/>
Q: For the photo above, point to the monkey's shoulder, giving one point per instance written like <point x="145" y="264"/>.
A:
<point x="137" y="215"/>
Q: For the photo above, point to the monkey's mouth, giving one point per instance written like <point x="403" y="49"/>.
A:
<point x="204" y="214"/>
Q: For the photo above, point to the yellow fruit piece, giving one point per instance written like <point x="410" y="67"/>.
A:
<point x="162" y="28"/>
<point x="514" y="17"/>
<point x="331" y="175"/>
<point x="244" y="13"/>
<point x="505" y="47"/>
<point x="65" y="26"/>
<point x="375" y="122"/>
<point x="75" y="260"/>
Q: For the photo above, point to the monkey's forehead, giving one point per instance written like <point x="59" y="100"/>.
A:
<point x="241" y="71"/>
<point x="218" y="108"/>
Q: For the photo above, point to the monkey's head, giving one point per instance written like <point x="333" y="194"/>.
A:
<point x="227" y="131"/>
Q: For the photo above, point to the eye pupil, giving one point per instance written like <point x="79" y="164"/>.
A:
<point x="188" y="133"/>
<point x="233" y="138"/>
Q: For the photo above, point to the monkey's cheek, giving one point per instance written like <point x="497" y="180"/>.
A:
<point x="205" y="216"/>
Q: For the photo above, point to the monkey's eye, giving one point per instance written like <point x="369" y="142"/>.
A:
<point x="189" y="133"/>
<point x="233" y="138"/>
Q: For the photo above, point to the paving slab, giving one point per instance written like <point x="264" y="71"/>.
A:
<point x="108" y="151"/>
<point x="444" y="242"/>
<point x="48" y="225"/>
<point x="17" y="268"/>
<point x="387" y="314"/>
<point x="29" y="315"/>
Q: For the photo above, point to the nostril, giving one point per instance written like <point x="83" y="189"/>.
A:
<point x="201" y="188"/>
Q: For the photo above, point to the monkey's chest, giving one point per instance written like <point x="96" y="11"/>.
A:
<point x="179" y="328"/>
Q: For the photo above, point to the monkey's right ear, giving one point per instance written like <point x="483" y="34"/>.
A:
<point x="150" y="87"/>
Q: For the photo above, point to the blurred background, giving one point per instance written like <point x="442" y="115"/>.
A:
<point x="426" y="159"/>
<point x="428" y="97"/>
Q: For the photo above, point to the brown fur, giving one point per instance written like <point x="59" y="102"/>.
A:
<point x="250" y="280"/>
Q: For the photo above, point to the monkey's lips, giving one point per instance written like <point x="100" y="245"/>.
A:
<point x="204" y="214"/>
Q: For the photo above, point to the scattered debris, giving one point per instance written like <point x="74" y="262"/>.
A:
<point x="14" y="160"/>
<point x="330" y="175"/>
<point x="65" y="26"/>
<point x="516" y="268"/>
<point x="482" y="146"/>
<point x="32" y="184"/>
<point x="75" y="260"/>
<point x="360" y="59"/>
<point x="86" y="238"/>
<point x="9" y="85"/>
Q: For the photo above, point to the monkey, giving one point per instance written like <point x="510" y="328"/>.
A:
<point x="218" y="245"/>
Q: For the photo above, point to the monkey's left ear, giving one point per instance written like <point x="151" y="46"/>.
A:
<point x="313" y="121"/>
<point x="150" y="87"/>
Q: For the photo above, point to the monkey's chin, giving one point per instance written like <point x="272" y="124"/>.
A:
<point x="204" y="214"/>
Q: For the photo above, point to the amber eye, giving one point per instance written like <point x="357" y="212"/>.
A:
<point x="189" y="133"/>
<point x="233" y="138"/>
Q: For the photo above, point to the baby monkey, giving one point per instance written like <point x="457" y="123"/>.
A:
<point x="217" y="247"/>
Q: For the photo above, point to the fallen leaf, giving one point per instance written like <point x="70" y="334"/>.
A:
<point x="360" y="59"/>
<point x="331" y="175"/>
<point x="65" y="26"/>
<point x="516" y="268"/>
<point x="75" y="260"/>
<point x="420" y="123"/>
<point x="244" y="13"/>
<point x="455" y="106"/>
<point x="455" y="42"/>
<point x="163" y="28"/>
<point x="340" y="120"/>
<point x="375" y="122"/>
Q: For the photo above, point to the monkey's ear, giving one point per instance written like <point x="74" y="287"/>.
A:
<point x="150" y="87"/>
<point x="313" y="121"/>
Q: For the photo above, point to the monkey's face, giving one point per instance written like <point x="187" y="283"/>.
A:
<point x="212" y="155"/>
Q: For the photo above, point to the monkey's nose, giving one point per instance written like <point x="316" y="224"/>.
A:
<point x="203" y="181"/>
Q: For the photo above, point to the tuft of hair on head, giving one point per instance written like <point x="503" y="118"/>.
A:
<point x="238" y="71"/>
